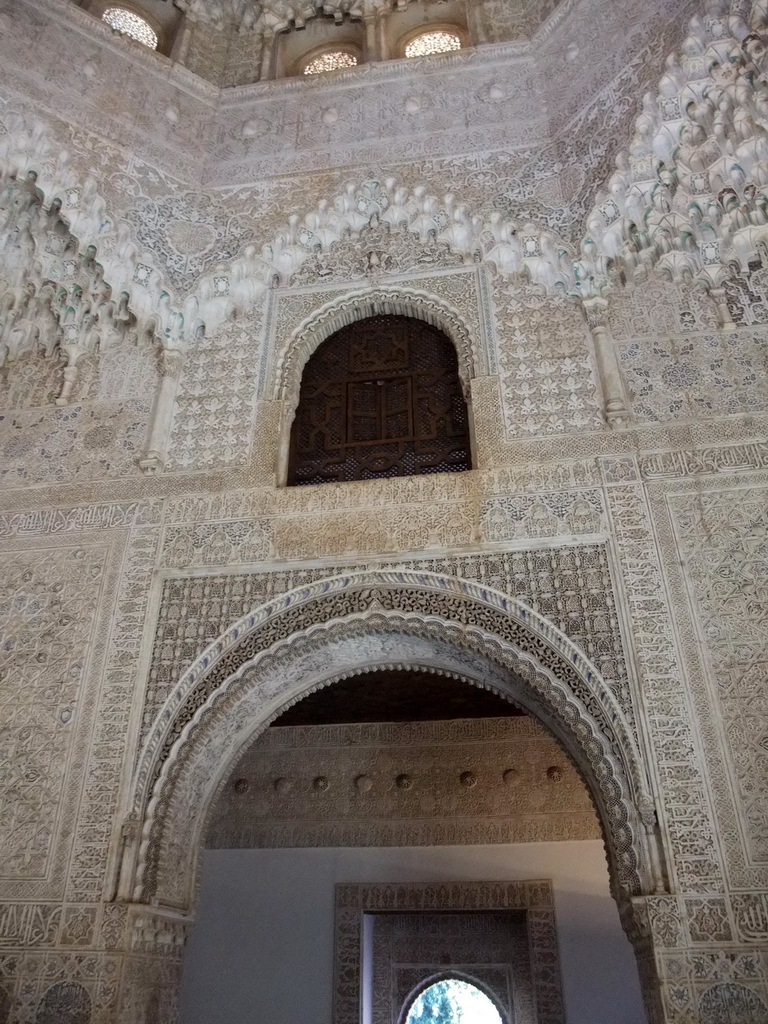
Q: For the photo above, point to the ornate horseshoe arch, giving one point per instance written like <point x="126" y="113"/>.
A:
<point x="400" y="301"/>
<point x="316" y="634"/>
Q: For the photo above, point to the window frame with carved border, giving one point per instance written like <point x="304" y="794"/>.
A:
<point x="356" y="904"/>
<point x="438" y="434"/>
<point x="450" y="975"/>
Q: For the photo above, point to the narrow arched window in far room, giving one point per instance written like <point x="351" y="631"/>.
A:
<point x="453" y="1001"/>
<point x="130" y="24"/>
<point x="433" y="41"/>
<point x="380" y="398"/>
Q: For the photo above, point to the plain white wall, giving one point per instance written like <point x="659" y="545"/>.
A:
<point x="262" y="948"/>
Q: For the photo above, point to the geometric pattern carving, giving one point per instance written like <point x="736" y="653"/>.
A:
<point x="479" y="167"/>
<point x="548" y="382"/>
<point x="214" y="408"/>
<point x="416" y="911"/>
<point x="694" y="375"/>
<point x="721" y="536"/>
<point x="78" y="442"/>
<point x="685" y="803"/>
<point x="571" y="587"/>
<point x="48" y="608"/>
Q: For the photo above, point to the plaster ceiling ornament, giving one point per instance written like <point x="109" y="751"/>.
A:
<point x="282" y="15"/>
<point x="675" y="206"/>
<point x="53" y="296"/>
<point x="689" y="198"/>
<point x="269" y="17"/>
<point x="522" y="252"/>
<point x="188" y="233"/>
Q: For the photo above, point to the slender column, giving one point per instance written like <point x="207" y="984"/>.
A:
<point x="723" y="312"/>
<point x="382" y="36"/>
<point x="614" y="402"/>
<point x="180" y="47"/>
<point x="371" y="47"/>
<point x="268" y="57"/>
<point x="162" y="412"/>
<point x="70" y="375"/>
<point x="476" y="23"/>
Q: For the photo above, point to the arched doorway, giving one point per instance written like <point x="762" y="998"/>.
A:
<point x="324" y="632"/>
<point x="338" y="853"/>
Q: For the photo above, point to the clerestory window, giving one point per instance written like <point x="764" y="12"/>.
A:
<point x="130" y="24"/>
<point x="331" y="60"/>
<point x="426" y="43"/>
<point x="380" y="398"/>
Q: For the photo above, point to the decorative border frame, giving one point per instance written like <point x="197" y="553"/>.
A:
<point x="354" y="901"/>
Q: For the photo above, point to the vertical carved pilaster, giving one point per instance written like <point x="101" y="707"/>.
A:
<point x="162" y="411"/>
<point x="615" y="407"/>
<point x="476" y="24"/>
<point x="638" y="916"/>
<point x="180" y="47"/>
<point x="268" y="57"/>
<point x="723" y="312"/>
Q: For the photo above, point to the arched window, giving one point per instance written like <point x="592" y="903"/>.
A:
<point x="380" y="398"/>
<point x="331" y="60"/>
<point x="433" y="41"/>
<point x="453" y="1001"/>
<point x="130" y="24"/>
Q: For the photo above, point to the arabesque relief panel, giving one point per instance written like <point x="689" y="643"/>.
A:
<point x="493" y="780"/>
<point x="721" y="537"/>
<point x="56" y="613"/>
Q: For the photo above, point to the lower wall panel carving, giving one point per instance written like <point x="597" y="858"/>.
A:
<point x="721" y="537"/>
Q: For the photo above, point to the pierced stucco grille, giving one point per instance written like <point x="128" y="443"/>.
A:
<point x="336" y="60"/>
<point x="130" y="24"/>
<point x="432" y="42"/>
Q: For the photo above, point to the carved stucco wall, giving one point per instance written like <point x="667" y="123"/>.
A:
<point x="643" y="544"/>
<point x="465" y="782"/>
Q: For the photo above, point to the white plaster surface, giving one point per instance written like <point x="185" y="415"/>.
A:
<point x="262" y="948"/>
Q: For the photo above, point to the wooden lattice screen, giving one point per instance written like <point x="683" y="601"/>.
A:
<point x="380" y="398"/>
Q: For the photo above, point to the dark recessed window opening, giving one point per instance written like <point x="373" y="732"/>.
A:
<point x="380" y="398"/>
